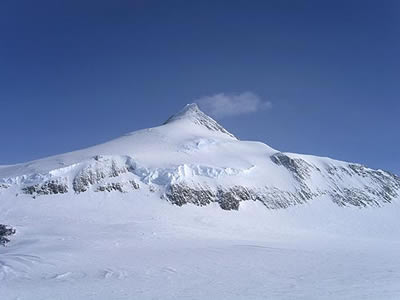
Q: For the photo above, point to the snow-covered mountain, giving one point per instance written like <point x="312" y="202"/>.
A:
<point x="140" y="217"/>
<point x="193" y="159"/>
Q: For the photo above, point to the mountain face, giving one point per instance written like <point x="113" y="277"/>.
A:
<point x="193" y="159"/>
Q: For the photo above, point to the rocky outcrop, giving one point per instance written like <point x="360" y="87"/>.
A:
<point x="5" y="232"/>
<point x="300" y="170"/>
<point x="56" y="186"/>
<point x="230" y="198"/>
<point x="122" y="187"/>
<point x="298" y="167"/>
<point x="109" y="187"/>
<point x="134" y="184"/>
<point x="345" y="184"/>
<point x="97" y="171"/>
<point x="387" y="184"/>
<point x="4" y="186"/>
<point x="180" y="194"/>
<point x="378" y="186"/>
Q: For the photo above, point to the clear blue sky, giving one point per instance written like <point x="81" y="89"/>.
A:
<point x="76" y="73"/>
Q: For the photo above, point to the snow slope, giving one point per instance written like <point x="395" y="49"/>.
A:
<point x="100" y="223"/>
<point x="193" y="159"/>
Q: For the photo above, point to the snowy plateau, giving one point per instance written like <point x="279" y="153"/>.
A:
<point x="186" y="210"/>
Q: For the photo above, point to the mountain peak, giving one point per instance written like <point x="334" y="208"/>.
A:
<point x="193" y="113"/>
<point x="190" y="110"/>
<point x="191" y="107"/>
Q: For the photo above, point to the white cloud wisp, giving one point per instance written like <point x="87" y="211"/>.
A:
<point x="224" y="105"/>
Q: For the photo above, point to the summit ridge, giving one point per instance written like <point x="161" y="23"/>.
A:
<point x="191" y="112"/>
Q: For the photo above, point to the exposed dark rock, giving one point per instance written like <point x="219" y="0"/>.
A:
<point x="345" y="184"/>
<point x="95" y="173"/>
<point x="115" y="170"/>
<point x="299" y="167"/>
<point x="180" y="194"/>
<point x="338" y="171"/>
<point x="354" y="197"/>
<point x="47" y="188"/>
<point x="384" y="187"/>
<point x="109" y="187"/>
<point x="86" y="178"/>
<point x="230" y="198"/>
<point x="134" y="184"/>
<point x="5" y="232"/>
<point x="360" y="170"/>
<point x="274" y="198"/>
<point x="4" y="186"/>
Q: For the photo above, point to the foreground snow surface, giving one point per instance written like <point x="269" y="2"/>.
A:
<point x="138" y="246"/>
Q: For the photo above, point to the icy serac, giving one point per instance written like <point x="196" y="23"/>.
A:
<point x="193" y="159"/>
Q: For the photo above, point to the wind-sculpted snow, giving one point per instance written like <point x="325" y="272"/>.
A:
<point x="168" y="176"/>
